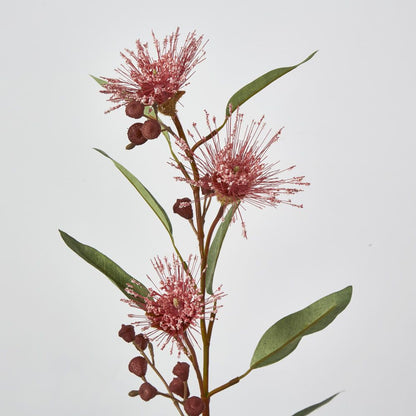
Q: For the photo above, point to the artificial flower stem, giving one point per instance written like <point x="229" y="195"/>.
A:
<point x="210" y="136"/>
<point x="194" y="360"/>
<point x="203" y="382"/>
<point x="229" y="384"/>
<point x="211" y="230"/>
<point x="211" y="322"/>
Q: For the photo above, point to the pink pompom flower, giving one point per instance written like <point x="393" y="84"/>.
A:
<point x="155" y="80"/>
<point x="235" y="170"/>
<point x="173" y="309"/>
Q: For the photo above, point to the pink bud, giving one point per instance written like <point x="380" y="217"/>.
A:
<point x="194" y="406"/>
<point x="176" y="386"/>
<point x="181" y="370"/>
<point x="140" y="341"/>
<point x="183" y="208"/>
<point x="134" y="133"/>
<point x="127" y="333"/>
<point x="147" y="391"/>
<point x="138" y="366"/>
<point x="134" y="109"/>
<point x="151" y="129"/>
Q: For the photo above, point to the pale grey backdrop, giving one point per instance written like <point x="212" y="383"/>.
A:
<point x="349" y="127"/>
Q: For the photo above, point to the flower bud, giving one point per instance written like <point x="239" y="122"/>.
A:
<point x="134" y="133"/>
<point x="181" y="370"/>
<point x="147" y="391"/>
<point x="151" y="129"/>
<point x="127" y="333"/>
<point x="204" y="184"/>
<point x="138" y="366"/>
<point x="176" y="386"/>
<point x="194" y="406"/>
<point x="134" y="109"/>
<point x="183" y="208"/>
<point x="140" y="341"/>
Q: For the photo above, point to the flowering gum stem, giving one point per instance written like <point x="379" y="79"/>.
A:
<point x="210" y="136"/>
<point x="206" y="205"/>
<point x="212" y="228"/>
<point x="194" y="361"/>
<point x="211" y="322"/>
<point x="229" y="384"/>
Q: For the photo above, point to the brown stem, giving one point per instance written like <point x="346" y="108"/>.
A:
<point x="202" y="380"/>
<point x="212" y="228"/>
<point x="206" y="138"/>
<point x="194" y="360"/>
<point x="229" y="384"/>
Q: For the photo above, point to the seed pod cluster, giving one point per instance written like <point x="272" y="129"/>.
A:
<point x="140" y="133"/>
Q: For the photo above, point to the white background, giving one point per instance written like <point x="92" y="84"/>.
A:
<point x="349" y="127"/>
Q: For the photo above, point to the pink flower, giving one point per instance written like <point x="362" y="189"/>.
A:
<point x="155" y="80"/>
<point x="174" y="309"/>
<point x="237" y="171"/>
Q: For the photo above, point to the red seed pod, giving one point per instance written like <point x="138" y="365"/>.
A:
<point x="134" y="109"/>
<point x="147" y="391"/>
<point x="181" y="370"/>
<point x="183" y="208"/>
<point x="140" y="341"/>
<point x="194" y="406"/>
<point x="127" y="333"/>
<point x="138" y="366"/>
<point x="176" y="386"/>
<point x="151" y="129"/>
<point x="134" y="133"/>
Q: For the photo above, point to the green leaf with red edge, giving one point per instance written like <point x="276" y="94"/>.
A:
<point x="310" y="409"/>
<point x="252" y="88"/>
<point x="215" y="248"/>
<point x="106" y="266"/>
<point x="144" y="192"/>
<point x="284" y="336"/>
<point x="100" y="81"/>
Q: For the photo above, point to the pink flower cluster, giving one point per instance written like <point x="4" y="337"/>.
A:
<point x="173" y="310"/>
<point x="155" y="80"/>
<point x="236" y="170"/>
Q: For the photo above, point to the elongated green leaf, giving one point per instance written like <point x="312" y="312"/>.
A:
<point x="147" y="196"/>
<point x="105" y="265"/>
<point x="100" y="81"/>
<point x="242" y="95"/>
<point x="215" y="248"/>
<point x="310" y="409"/>
<point x="284" y="336"/>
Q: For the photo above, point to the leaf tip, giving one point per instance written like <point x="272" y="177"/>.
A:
<point x="101" y="151"/>
<point x="99" y="81"/>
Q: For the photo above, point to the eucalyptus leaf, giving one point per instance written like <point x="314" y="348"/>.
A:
<point x="284" y="336"/>
<point x="243" y="94"/>
<point x="106" y="266"/>
<point x="100" y="81"/>
<point x="215" y="248"/>
<point x="143" y="191"/>
<point x="310" y="409"/>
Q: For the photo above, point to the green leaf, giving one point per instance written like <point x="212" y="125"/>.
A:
<point x="310" y="409"/>
<point x="215" y="248"/>
<point x="242" y="95"/>
<point x="284" y="336"/>
<point x="100" y="81"/>
<point x="147" y="196"/>
<point x="105" y="265"/>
